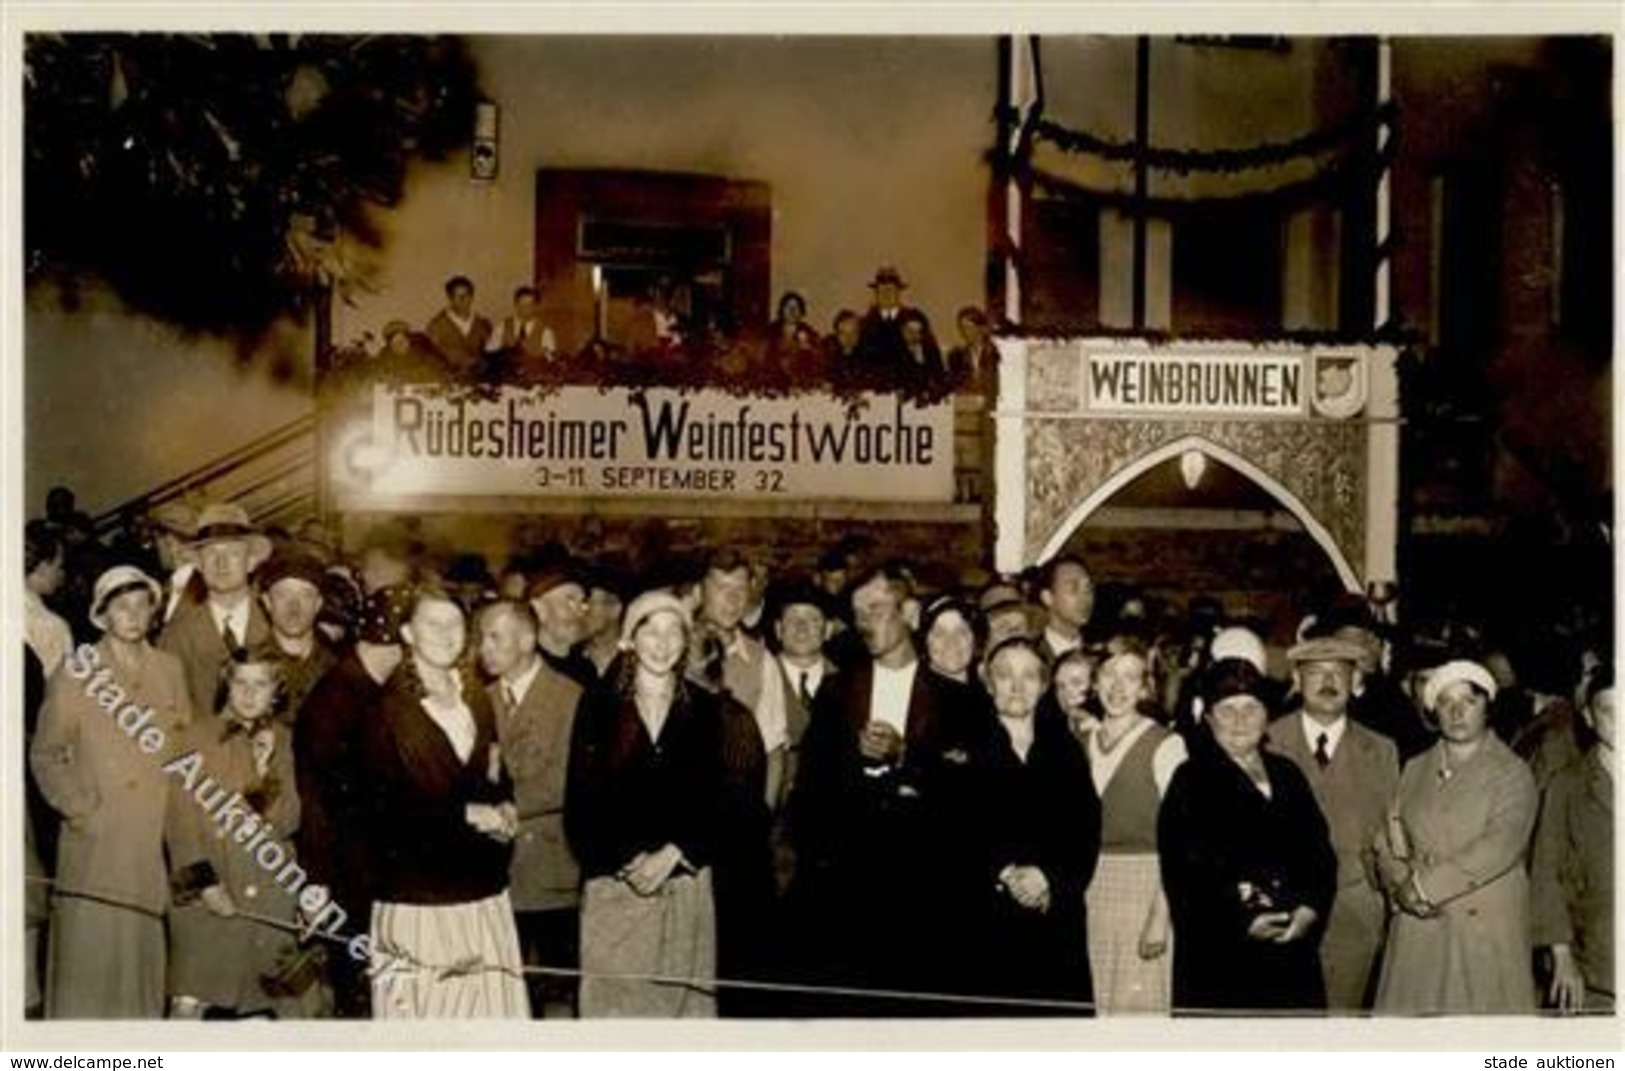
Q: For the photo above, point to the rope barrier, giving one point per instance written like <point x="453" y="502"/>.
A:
<point x="474" y="965"/>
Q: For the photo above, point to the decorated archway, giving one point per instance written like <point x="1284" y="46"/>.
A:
<point x="1313" y="426"/>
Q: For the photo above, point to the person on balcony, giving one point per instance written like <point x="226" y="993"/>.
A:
<point x="793" y="346"/>
<point x="522" y="342"/>
<point x="974" y="363"/>
<point x="458" y="332"/>
<point x="882" y="338"/>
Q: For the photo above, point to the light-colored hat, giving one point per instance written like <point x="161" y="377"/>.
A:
<point x="646" y="606"/>
<point x="1328" y="649"/>
<point x="227" y="520"/>
<point x="1454" y="673"/>
<point x="115" y="582"/>
<point x="1238" y="642"/>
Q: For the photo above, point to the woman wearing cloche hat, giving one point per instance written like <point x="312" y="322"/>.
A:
<point x="1452" y="861"/>
<point x="99" y="756"/>
<point x="664" y="777"/>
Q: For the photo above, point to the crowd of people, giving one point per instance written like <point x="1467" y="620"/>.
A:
<point x="269" y="778"/>
<point x="888" y="346"/>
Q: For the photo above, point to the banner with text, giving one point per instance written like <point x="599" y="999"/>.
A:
<point x="580" y="441"/>
<point x="1218" y="384"/>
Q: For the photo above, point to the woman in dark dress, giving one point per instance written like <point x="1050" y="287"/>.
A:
<point x="1036" y="819"/>
<point x="1246" y="861"/>
<point x="656" y="788"/>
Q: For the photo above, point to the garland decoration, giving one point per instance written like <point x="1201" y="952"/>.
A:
<point x="1354" y="130"/>
<point x="737" y="369"/>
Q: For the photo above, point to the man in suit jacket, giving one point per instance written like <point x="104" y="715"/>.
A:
<point x="1353" y="773"/>
<point x="873" y="815"/>
<point x="535" y="708"/>
<point x="203" y="635"/>
<point x="880" y="333"/>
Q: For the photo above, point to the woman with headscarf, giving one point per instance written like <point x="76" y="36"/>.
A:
<point x="647" y="811"/>
<point x="107" y="956"/>
<point x="1452" y="861"/>
<point x="1034" y="822"/>
<point x="1247" y="861"/>
<point x="440" y="833"/>
<point x="1131" y="762"/>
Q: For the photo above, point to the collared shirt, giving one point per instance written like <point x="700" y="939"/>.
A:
<point x="889" y="695"/>
<point x="1061" y="644"/>
<point x="813" y="675"/>
<point x="236" y="617"/>
<point x="519" y="687"/>
<point x="45" y="632"/>
<point x="1312" y="731"/>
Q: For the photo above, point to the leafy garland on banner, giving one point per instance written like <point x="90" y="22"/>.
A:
<point x="739" y="370"/>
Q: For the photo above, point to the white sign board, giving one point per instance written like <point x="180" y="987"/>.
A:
<point x="1209" y="384"/>
<point x="586" y="442"/>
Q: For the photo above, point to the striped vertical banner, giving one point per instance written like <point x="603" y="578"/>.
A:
<point x="1023" y="95"/>
<point x="1382" y="259"/>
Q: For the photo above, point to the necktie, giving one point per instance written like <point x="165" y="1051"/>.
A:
<point x="1322" y="756"/>
<point x="229" y="638"/>
<point x="804" y="691"/>
<point x="511" y="695"/>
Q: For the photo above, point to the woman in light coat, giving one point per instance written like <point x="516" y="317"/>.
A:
<point x="1452" y="860"/>
<point x="107" y="781"/>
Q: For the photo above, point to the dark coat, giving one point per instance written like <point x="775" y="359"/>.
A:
<point x="627" y="794"/>
<point x="332" y="793"/>
<point x="877" y="886"/>
<point x="1217" y="831"/>
<point x="1039" y="812"/>
<point x="422" y="848"/>
<point x="192" y="637"/>
<point x="701" y="786"/>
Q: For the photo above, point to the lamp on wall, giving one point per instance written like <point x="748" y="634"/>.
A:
<point x="482" y="158"/>
<point x="1192" y="464"/>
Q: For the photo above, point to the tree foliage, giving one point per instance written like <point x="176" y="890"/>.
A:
<point x="216" y="181"/>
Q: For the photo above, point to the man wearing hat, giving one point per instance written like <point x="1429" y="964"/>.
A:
<point x="880" y="335"/>
<point x="558" y="594"/>
<point x="1353" y="773"/>
<point x="291" y="594"/>
<point x="174" y="526"/>
<point x="228" y="619"/>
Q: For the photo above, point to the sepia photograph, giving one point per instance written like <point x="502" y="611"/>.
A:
<point x="827" y="525"/>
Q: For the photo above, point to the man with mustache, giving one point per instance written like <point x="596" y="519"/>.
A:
<point x="1353" y="773"/>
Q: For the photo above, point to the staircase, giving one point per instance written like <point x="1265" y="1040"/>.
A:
<point x="274" y="478"/>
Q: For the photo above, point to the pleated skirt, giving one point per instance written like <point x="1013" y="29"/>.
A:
<point x="447" y="961"/>
<point x="650" y="957"/>
<point x="1118" y="901"/>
